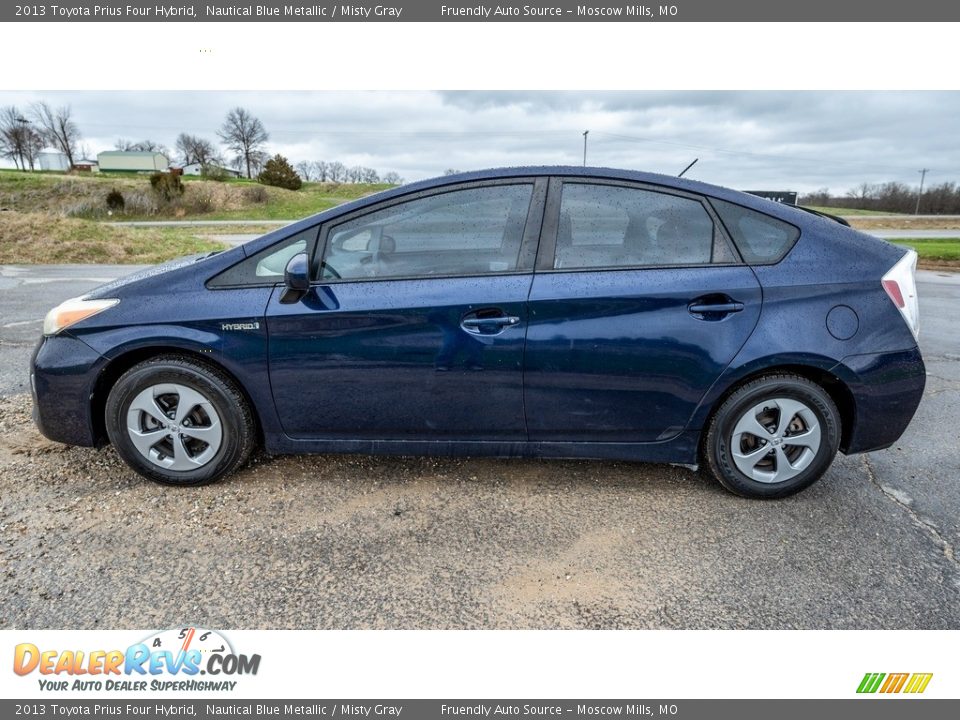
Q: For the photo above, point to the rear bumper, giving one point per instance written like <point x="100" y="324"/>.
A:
<point x="887" y="389"/>
<point x="63" y="373"/>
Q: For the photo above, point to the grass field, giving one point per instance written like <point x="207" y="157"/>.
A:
<point x="32" y="238"/>
<point x="849" y="212"/>
<point x="84" y="196"/>
<point x="934" y="249"/>
<point x="50" y="217"/>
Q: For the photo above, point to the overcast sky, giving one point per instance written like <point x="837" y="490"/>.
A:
<point x="747" y="140"/>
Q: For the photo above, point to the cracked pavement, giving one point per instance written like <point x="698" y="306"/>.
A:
<point x="362" y="542"/>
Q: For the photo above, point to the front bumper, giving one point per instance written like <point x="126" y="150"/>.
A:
<point x="887" y="389"/>
<point x="63" y="375"/>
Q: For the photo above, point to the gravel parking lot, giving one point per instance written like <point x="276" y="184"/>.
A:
<point x="362" y="542"/>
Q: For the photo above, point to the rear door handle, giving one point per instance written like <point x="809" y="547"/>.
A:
<point x="701" y="308"/>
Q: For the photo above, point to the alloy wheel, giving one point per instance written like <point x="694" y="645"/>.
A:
<point x="174" y="427"/>
<point x="775" y="440"/>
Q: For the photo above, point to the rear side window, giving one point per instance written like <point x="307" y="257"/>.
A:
<point x="608" y="226"/>
<point x="760" y="238"/>
<point x="474" y="231"/>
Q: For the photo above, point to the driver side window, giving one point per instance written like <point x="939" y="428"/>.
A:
<point x="472" y="231"/>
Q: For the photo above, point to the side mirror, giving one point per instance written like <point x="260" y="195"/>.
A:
<point x="296" y="278"/>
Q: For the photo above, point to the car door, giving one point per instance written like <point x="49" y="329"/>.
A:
<point x="414" y="327"/>
<point x="638" y="304"/>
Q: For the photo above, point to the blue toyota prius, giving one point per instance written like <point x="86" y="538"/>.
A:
<point x="543" y="311"/>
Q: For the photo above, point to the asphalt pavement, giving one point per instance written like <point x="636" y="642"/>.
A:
<point x="366" y="542"/>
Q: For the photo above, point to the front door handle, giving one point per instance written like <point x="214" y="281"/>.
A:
<point x="479" y="325"/>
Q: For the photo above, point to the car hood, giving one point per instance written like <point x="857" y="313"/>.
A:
<point x="108" y="290"/>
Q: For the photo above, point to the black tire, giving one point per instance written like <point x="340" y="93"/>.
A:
<point x="238" y="438"/>
<point x="717" y="450"/>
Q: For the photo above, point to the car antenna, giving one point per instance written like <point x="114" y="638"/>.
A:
<point x="688" y="167"/>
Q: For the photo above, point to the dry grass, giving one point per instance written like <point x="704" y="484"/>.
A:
<point x="28" y="238"/>
<point x="904" y="222"/>
<point x="84" y="196"/>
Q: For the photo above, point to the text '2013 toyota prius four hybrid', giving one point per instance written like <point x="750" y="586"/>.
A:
<point x="545" y="311"/>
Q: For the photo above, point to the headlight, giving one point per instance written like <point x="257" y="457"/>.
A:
<point x="73" y="311"/>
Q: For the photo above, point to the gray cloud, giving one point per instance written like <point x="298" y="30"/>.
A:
<point x="755" y="139"/>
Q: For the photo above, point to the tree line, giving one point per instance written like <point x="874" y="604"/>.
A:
<point x="896" y="197"/>
<point x="323" y="171"/>
<point x="25" y="133"/>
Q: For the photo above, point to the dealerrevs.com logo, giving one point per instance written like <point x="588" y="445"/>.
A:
<point x="892" y="683"/>
<point x="169" y="660"/>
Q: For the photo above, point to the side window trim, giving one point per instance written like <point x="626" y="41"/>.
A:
<point x="528" y="244"/>
<point x="312" y="242"/>
<point x="551" y="223"/>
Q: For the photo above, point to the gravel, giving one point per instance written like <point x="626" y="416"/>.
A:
<point x="364" y="542"/>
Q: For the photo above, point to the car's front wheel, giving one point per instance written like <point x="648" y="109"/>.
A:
<point x="772" y="437"/>
<point x="179" y="422"/>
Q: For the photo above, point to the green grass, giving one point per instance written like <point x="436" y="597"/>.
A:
<point x="293" y="205"/>
<point x="932" y="248"/>
<point x="850" y="212"/>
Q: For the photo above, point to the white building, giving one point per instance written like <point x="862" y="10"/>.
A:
<point x="53" y="160"/>
<point x="132" y="162"/>
<point x="197" y="169"/>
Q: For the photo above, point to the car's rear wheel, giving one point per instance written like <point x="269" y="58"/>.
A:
<point x="179" y="422"/>
<point x="772" y="437"/>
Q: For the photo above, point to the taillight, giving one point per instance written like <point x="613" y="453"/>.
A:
<point x="900" y="283"/>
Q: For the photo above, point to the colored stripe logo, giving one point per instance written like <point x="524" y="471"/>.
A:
<point x="913" y="683"/>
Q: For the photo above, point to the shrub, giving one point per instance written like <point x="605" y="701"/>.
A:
<point x="166" y="185"/>
<point x="198" y="200"/>
<point x="256" y="194"/>
<point x="115" y="201"/>
<point x="280" y="173"/>
<point x="213" y="172"/>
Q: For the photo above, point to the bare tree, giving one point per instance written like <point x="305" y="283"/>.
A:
<point x="305" y="170"/>
<point x="369" y="175"/>
<point x="193" y="149"/>
<point x="19" y="140"/>
<point x="392" y="178"/>
<point x="141" y="146"/>
<point x="451" y="171"/>
<point x="862" y="192"/>
<point x="57" y="128"/>
<point x="336" y="171"/>
<point x="321" y="170"/>
<point x="245" y="136"/>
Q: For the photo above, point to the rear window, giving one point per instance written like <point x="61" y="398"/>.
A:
<point x="760" y="238"/>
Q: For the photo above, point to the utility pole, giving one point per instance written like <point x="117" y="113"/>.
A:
<point x="923" y="176"/>
<point x="585" y="133"/>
